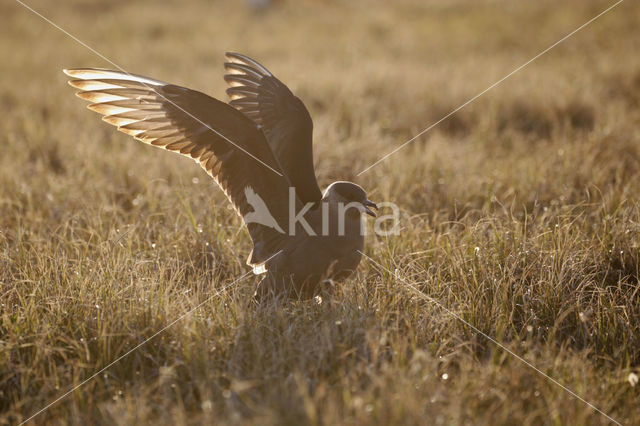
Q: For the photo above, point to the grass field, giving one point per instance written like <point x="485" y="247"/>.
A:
<point x="520" y="219"/>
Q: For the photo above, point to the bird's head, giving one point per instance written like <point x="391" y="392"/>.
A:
<point x="348" y="192"/>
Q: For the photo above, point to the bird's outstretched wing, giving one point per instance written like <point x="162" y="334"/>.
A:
<point x="228" y="145"/>
<point x="282" y="117"/>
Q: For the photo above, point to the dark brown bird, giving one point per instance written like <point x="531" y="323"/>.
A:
<point x="258" y="148"/>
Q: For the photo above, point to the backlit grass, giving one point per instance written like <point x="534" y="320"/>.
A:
<point x="519" y="214"/>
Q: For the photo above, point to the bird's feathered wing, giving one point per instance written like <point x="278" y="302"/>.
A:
<point x="282" y="117"/>
<point x="227" y="144"/>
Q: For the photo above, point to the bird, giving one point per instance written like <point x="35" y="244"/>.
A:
<point x="258" y="148"/>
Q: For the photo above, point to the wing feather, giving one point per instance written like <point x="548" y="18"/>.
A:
<point x="283" y="118"/>
<point x="228" y="145"/>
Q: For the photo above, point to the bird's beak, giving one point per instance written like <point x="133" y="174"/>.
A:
<point x="368" y="211"/>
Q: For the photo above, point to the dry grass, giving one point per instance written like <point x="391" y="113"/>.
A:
<point x="519" y="214"/>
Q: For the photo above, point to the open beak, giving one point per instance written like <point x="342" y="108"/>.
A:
<point x="367" y="210"/>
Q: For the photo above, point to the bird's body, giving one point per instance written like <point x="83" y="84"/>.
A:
<point x="258" y="148"/>
<point x="331" y="254"/>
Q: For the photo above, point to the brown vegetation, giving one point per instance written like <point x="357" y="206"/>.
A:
<point x="519" y="214"/>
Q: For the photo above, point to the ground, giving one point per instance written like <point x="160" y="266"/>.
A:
<point x="519" y="220"/>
